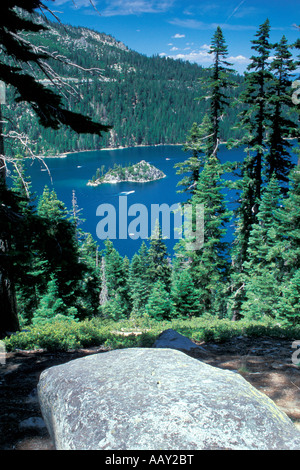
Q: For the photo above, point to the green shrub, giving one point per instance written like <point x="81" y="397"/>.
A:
<point x="64" y="334"/>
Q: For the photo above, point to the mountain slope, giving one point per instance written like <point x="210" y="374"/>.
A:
<point x="147" y="100"/>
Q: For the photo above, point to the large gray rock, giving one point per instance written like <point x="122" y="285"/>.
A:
<point x="157" y="399"/>
<point x="174" y="340"/>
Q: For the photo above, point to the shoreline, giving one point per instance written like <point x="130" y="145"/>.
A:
<point x="65" y="154"/>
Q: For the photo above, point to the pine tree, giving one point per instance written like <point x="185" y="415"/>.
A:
<point x="52" y="305"/>
<point x="255" y="118"/>
<point x="278" y="159"/>
<point x="115" y="277"/>
<point x="263" y="271"/>
<point x="199" y="145"/>
<point x="244" y="219"/>
<point x="138" y="281"/>
<point x="159" y="268"/>
<point x="217" y="84"/>
<point x="288" y="218"/>
<point x="288" y="305"/>
<point x="209" y="265"/>
<point x="50" y="207"/>
<point x="296" y="46"/>
<point x="55" y="243"/>
<point x="89" y="286"/>
<point x="159" y="305"/>
<point x="114" y="308"/>
<point x="185" y="296"/>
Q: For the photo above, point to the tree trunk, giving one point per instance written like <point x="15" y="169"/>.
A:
<point x="2" y="162"/>
<point x="8" y="305"/>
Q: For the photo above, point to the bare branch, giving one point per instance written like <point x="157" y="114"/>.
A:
<point x="24" y="140"/>
<point x="60" y="83"/>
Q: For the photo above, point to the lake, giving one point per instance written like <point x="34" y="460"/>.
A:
<point x="74" y="171"/>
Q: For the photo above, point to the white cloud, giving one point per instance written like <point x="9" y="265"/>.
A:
<point x="135" y="7"/>
<point x="177" y="36"/>
<point x="206" y="47"/>
<point x="174" y="48"/>
<point x="239" y="59"/>
<point x="202" y="57"/>
<point x="198" y="57"/>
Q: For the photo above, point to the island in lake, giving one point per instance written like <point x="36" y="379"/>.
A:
<point x="141" y="172"/>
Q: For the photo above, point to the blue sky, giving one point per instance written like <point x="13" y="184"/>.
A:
<point x="183" y="29"/>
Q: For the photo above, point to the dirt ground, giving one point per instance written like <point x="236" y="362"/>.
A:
<point x="265" y="362"/>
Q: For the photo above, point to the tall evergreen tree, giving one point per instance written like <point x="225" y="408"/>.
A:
<point x="138" y="281"/>
<point x="288" y="305"/>
<point x="289" y="225"/>
<point x="159" y="267"/>
<point x="115" y="278"/>
<point x="279" y="158"/>
<point x="263" y="271"/>
<point x="56" y="244"/>
<point x="209" y="265"/>
<point x="88" y="296"/>
<point x="159" y="305"/>
<point x="52" y="305"/>
<point x="199" y="145"/>
<point x="217" y="85"/>
<point x="255" y="118"/>
<point x="185" y="296"/>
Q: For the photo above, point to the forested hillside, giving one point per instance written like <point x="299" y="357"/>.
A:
<point x="145" y="99"/>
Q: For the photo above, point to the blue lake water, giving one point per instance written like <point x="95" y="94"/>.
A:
<point x="74" y="171"/>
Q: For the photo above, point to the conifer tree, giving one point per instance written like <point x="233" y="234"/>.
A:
<point x="209" y="265"/>
<point x="288" y="305"/>
<point x="185" y="296"/>
<point x="115" y="277"/>
<point x="263" y="271"/>
<point x="52" y="305"/>
<point x="288" y="217"/>
<point x="159" y="268"/>
<point x="138" y="281"/>
<point x="199" y="145"/>
<point x="278" y="159"/>
<point x="255" y="118"/>
<point x="88" y="294"/>
<point x="55" y="243"/>
<point x="217" y="84"/>
<point x="159" y="305"/>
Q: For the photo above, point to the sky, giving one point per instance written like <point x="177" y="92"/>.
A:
<point x="184" y="29"/>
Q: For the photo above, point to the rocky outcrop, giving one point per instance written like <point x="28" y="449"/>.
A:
<point x="157" y="399"/>
<point x="174" y="340"/>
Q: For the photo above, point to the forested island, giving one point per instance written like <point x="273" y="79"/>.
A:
<point x="141" y="172"/>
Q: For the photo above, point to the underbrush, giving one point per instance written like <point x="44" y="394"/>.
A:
<point x="142" y="332"/>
